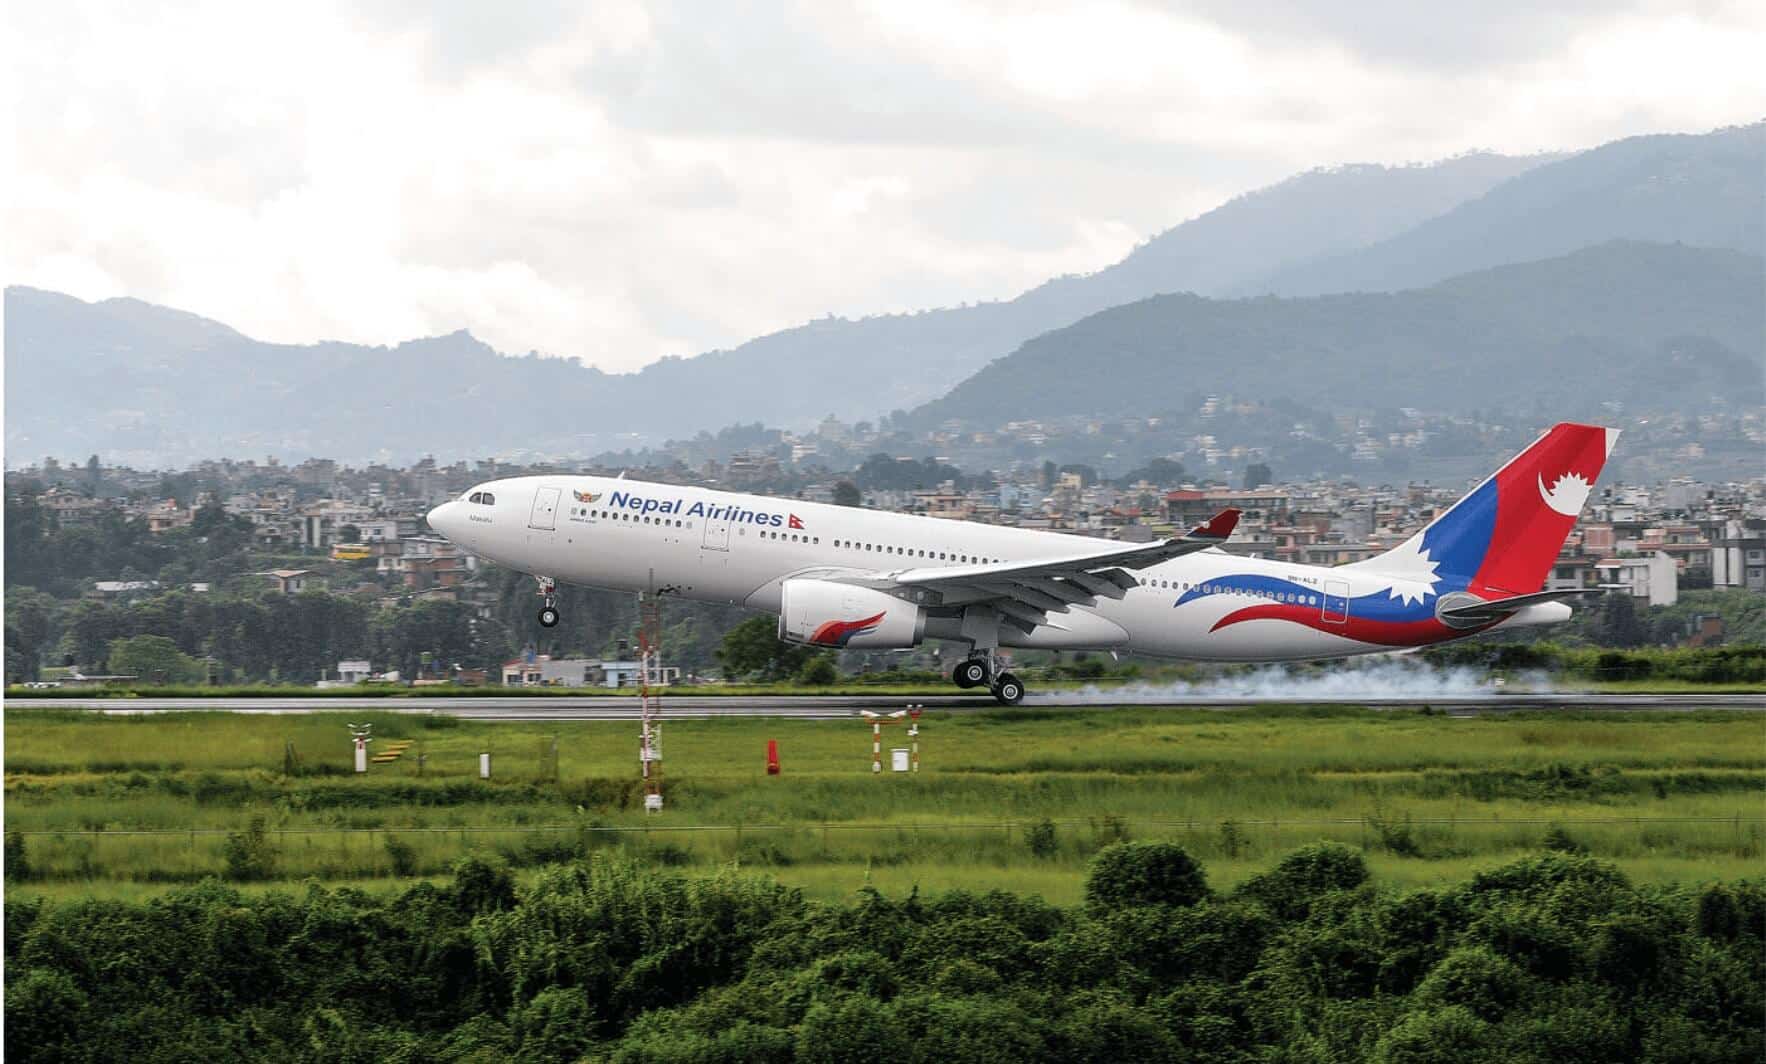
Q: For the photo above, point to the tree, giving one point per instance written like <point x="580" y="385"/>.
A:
<point x="818" y="671"/>
<point x="155" y="659"/>
<point x="846" y="493"/>
<point x="1619" y="625"/>
<point x="754" y="649"/>
<point x="1165" y="472"/>
<point x="1144" y="873"/>
<point x="1290" y="888"/>
<point x="1257" y="474"/>
<point x="28" y="618"/>
<point x="1087" y="475"/>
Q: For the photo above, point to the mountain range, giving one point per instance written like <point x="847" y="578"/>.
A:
<point x="1541" y="272"/>
<point x="1647" y="326"/>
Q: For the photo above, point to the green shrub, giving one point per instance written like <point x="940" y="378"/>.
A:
<point x="1730" y="913"/>
<point x="1451" y="1035"/>
<point x="18" y="859"/>
<point x="1040" y="838"/>
<point x="1487" y="984"/>
<point x="1290" y="888"/>
<point x="558" y="1024"/>
<point x="1559" y="840"/>
<point x="1144" y="873"/>
<point x="1232" y="838"/>
<point x="248" y="853"/>
<point x="402" y="855"/>
<point x="856" y="1029"/>
<point x="481" y="885"/>
<point x="818" y="671"/>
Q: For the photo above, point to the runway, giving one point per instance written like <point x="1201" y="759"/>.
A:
<point x="846" y="707"/>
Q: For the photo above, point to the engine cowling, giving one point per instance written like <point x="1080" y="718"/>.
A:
<point x="828" y="614"/>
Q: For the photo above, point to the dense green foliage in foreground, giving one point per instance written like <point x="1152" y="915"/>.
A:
<point x="1551" y="958"/>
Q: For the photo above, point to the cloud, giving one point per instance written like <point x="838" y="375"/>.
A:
<point x="621" y="182"/>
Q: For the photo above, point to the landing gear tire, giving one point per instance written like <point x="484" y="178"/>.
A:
<point x="971" y="673"/>
<point x="548" y="601"/>
<point x="1008" y="690"/>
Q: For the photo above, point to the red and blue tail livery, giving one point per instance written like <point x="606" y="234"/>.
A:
<point x="1498" y="542"/>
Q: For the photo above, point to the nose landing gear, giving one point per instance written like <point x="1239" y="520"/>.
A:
<point x="549" y="598"/>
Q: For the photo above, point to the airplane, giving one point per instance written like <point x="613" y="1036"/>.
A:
<point x="841" y="576"/>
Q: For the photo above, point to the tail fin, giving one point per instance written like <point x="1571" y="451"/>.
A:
<point x="1502" y="539"/>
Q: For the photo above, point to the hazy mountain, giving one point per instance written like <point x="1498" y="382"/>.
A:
<point x="1651" y="325"/>
<point x="126" y="377"/>
<point x="148" y="385"/>
<point x="857" y="369"/>
<point x="1708" y="190"/>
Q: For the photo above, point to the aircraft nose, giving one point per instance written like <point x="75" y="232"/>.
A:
<point x="441" y="518"/>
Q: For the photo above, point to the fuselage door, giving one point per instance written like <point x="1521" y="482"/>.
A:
<point x="1336" y="601"/>
<point x="717" y="534"/>
<point x="545" y="509"/>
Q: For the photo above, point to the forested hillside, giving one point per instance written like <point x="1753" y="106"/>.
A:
<point x="1659" y="326"/>
<point x="1701" y="190"/>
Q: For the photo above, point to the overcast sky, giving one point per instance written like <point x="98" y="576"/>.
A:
<point x="619" y="183"/>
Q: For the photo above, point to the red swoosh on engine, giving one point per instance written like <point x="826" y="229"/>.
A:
<point x="836" y="633"/>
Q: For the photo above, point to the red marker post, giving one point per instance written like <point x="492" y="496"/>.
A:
<point x="772" y="757"/>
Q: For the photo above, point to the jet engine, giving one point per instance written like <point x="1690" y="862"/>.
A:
<point x="829" y="614"/>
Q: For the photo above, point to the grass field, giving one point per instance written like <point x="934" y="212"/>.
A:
<point x="1671" y="797"/>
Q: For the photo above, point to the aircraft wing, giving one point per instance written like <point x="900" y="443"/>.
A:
<point x="1026" y="592"/>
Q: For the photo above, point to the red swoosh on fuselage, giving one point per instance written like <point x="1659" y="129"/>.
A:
<point x="1383" y="633"/>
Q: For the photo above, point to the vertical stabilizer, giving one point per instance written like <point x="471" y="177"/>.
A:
<point x="1503" y="538"/>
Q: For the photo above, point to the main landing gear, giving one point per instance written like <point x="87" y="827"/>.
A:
<point x="549" y="598"/>
<point x="979" y="671"/>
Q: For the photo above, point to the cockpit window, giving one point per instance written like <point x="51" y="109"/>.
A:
<point x="477" y="496"/>
<point x="483" y="498"/>
<point x="489" y="499"/>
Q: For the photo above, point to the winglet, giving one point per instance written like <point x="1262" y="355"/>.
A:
<point x="1220" y="526"/>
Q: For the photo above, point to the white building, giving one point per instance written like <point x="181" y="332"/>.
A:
<point x="541" y="670"/>
<point x="1654" y="578"/>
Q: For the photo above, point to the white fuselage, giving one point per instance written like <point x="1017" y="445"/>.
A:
<point x="725" y="547"/>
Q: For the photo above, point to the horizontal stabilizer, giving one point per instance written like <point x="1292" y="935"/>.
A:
<point x="1460" y="609"/>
